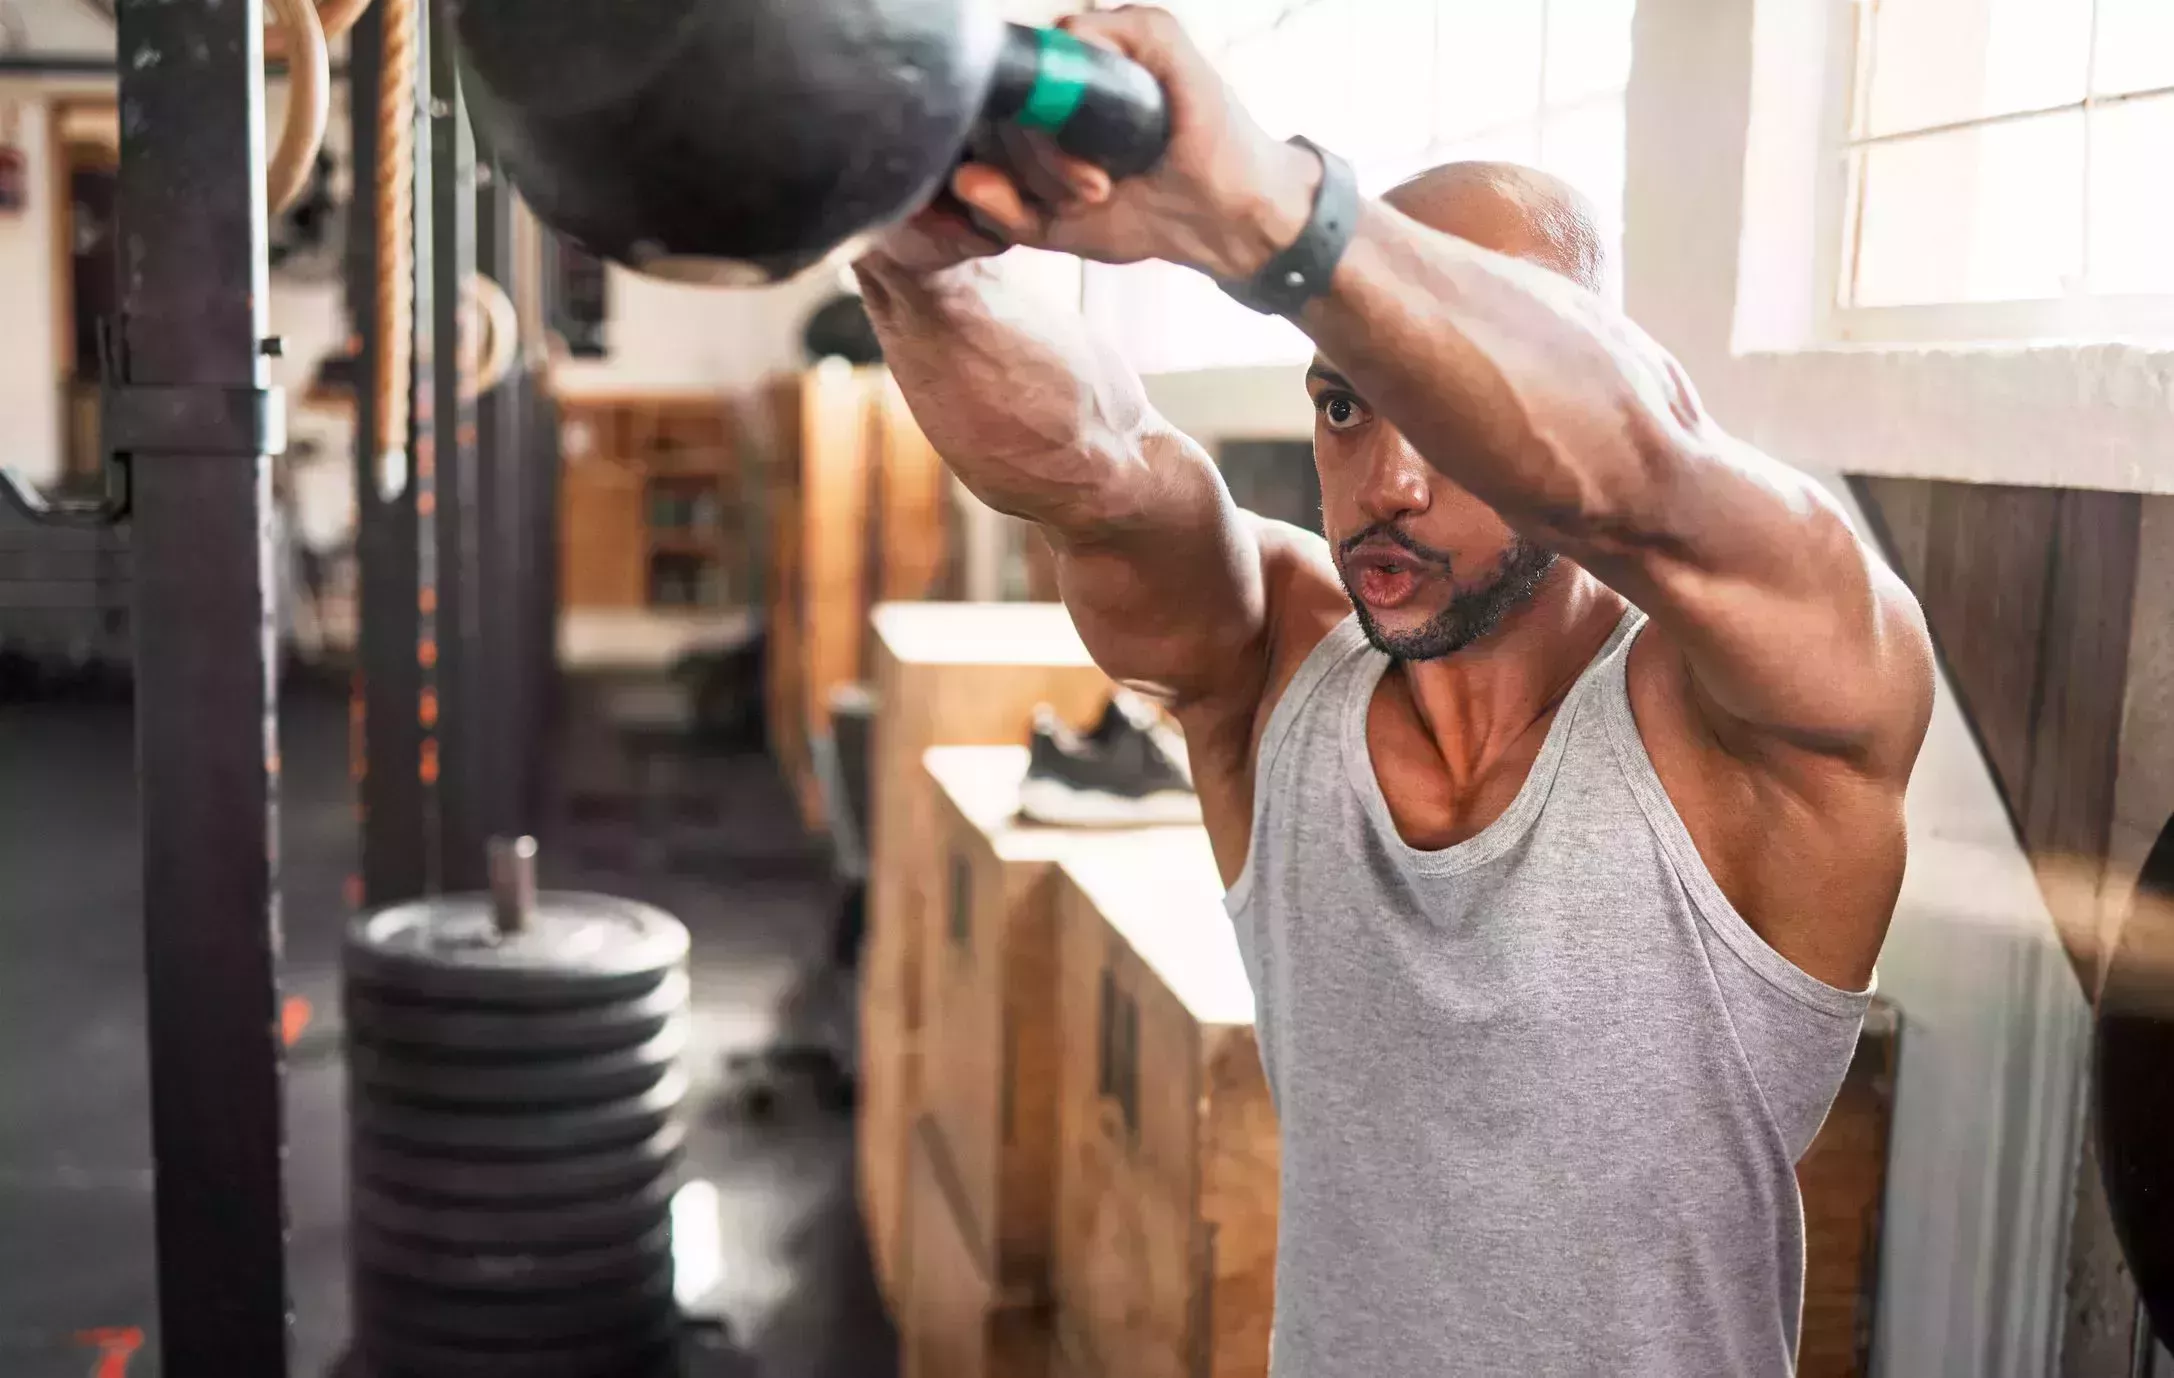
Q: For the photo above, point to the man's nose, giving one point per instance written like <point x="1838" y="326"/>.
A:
<point x="1396" y="482"/>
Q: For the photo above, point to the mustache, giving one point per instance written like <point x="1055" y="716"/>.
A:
<point x="1392" y="534"/>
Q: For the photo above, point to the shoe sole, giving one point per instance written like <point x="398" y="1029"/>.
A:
<point x="1060" y="805"/>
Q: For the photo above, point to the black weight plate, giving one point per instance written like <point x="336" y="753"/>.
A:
<point x="391" y="1304"/>
<point x="559" y="1129"/>
<point x="383" y="1017"/>
<point x="638" y="1352"/>
<point x="527" y="1081"/>
<point x="563" y="1224"/>
<point x="620" y="1168"/>
<point x="512" y="1270"/>
<point x="576" y="947"/>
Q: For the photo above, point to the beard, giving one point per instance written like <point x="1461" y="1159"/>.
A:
<point x="1472" y="613"/>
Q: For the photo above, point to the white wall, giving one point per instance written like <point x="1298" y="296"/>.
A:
<point x="674" y="337"/>
<point x="30" y="412"/>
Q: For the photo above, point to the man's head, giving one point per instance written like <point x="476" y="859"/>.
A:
<point x="1429" y="567"/>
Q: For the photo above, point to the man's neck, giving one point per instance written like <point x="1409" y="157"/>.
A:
<point x="1480" y="702"/>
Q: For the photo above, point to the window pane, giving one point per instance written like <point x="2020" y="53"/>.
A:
<point x="1516" y="143"/>
<point x="1488" y="75"/>
<point x="1294" y="70"/>
<point x="2135" y="46"/>
<point x="1938" y="61"/>
<point x="1588" y="48"/>
<point x="1991" y="214"/>
<point x="2132" y="197"/>
<point x="1584" y="147"/>
<point x="1391" y="108"/>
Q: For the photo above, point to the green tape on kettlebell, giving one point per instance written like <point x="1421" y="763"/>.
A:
<point x="1062" y="72"/>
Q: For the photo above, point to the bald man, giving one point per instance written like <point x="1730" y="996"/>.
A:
<point x="1559" y="791"/>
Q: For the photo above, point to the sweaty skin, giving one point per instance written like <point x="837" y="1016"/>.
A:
<point x="1477" y="399"/>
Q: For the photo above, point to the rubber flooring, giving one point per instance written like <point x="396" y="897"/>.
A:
<point x="788" y="1272"/>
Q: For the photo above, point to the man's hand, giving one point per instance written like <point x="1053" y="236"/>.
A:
<point x="1225" y="198"/>
<point x="931" y="240"/>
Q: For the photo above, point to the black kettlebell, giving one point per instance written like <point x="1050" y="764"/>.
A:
<point x="2134" y="1084"/>
<point x="742" y="141"/>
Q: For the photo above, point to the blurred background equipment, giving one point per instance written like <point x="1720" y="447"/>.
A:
<point x="514" y="1088"/>
<point x="749" y="141"/>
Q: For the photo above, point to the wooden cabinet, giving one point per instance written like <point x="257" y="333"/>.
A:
<point x="1167" y="1181"/>
<point x="945" y="673"/>
<point x="958" y="1322"/>
<point x="658" y="512"/>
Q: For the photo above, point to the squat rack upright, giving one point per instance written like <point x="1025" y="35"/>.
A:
<point x="191" y="424"/>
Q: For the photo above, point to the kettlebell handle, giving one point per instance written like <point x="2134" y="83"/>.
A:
<point x="1092" y="103"/>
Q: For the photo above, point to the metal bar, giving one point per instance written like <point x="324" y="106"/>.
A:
<point x="506" y="563"/>
<point x="545" y="462"/>
<point x="464" y="826"/>
<point x="192" y="230"/>
<point x="103" y="65"/>
<point x="389" y="688"/>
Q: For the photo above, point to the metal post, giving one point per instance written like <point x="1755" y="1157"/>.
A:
<point x="505" y="563"/>
<point x="389" y="697"/>
<point x="192" y="230"/>
<point x="465" y="716"/>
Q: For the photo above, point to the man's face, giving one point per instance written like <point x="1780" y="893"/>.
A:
<point x="1429" y="567"/>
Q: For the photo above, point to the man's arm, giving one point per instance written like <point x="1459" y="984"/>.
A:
<point x="1042" y="420"/>
<point x="1544" y="401"/>
<point x="1547" y="403"/>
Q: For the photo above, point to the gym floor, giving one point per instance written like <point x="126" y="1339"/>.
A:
<point x="790" y="1273"/>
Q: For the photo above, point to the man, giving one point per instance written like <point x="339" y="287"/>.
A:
<point x="1559" y="791"/>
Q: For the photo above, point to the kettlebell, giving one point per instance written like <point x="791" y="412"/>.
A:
<point x="2133" y="1084"/>
<point x="744" y="141"/>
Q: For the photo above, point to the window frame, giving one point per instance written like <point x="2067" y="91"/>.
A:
<point x="2075" y="317"/>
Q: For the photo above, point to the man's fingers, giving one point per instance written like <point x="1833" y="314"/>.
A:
<point x="1143" y="33"/>
<point x="1085" y="183"/>
<point x="993" y="196"/>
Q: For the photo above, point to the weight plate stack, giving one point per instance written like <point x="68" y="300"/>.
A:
<point x="514" y="1094"/>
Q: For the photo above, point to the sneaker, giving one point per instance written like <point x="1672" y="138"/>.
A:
<point x="1127" y="771"/>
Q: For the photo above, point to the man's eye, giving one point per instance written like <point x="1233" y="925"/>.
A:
<point x="1341" y="412"/>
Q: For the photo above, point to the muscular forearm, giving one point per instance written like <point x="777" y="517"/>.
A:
<point x="1038" y="418"/>
<point x="1522" y="387"/>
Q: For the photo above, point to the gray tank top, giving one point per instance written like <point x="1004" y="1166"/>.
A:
<point x="1542" y="1092"/>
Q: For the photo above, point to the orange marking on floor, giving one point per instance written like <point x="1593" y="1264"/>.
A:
<point x="116" y="1345"/>
<point x="294" y="1013"/>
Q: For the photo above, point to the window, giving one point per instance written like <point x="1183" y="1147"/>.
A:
<point x="1395" y="86"/>
<point x="2010" y="170"/>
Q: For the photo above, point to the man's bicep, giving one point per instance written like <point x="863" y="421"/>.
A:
<point x="1170" y="597"/>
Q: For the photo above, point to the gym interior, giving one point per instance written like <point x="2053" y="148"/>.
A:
<point x="517" y="843"/>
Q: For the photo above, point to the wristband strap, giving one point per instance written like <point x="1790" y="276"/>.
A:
<point x="1301" y="272"/>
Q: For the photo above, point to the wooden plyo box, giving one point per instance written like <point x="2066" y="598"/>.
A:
<point x="989" y="1042"/>
<point x="945" y="673"/>
<point x="957" y="1323"/>
<point x="1167" y="1175"/>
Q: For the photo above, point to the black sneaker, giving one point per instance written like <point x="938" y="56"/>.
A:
<point x="1128" y="771"/>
